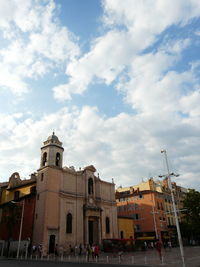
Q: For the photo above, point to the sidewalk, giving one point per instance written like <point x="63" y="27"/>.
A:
<point x="149" y="258"/>
<point x="170" y="258"/>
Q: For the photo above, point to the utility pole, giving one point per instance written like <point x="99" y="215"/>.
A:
<point x="174" y="207"/>
<point x="20" y="230"/>
<point x="154" y="217"/>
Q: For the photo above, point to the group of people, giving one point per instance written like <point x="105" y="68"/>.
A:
<point x="158" y="245"/>
<point x="88" y="250"/>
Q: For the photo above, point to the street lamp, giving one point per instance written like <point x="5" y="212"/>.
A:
<point x="174" y="206"/>
<point x="154" y="217"/>
<point x="20" y="229"/>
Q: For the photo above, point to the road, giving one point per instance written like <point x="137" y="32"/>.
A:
<point x="24" y="263"/>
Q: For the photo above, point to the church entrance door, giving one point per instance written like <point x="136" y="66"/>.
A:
<point x="91" y="231"/>
<point x="52" y="243"/>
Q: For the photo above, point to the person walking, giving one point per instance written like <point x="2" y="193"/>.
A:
<point x="88" y="251"/>
<point x="159" y="248"/>
<point x="96" y="252"/>
<point x="80" y="249"/>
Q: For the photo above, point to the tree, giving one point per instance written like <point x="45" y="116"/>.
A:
<point x="190" y="225"/>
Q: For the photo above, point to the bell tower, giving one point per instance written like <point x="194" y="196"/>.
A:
<point x="52" y="152"/>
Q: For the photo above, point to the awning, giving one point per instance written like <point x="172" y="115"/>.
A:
<point x="146" y="238"/>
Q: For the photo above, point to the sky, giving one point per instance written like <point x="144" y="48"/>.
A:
<point x="118" y="81"/>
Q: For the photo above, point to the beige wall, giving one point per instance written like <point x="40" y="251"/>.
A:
<point x="65" y="190"/>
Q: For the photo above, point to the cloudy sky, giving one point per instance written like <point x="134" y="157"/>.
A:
<point x="117" y="81"/>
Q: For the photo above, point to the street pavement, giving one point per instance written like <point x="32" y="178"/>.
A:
<point x="149" y="258"/>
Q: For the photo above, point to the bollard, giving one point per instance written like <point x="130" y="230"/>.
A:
<point x="96" y="259"/>
<point x="61" y="257"/>
<point x="119" y="259"/>
<point x="107" y="259"/>
<point x="69" y="257"/>
<point x="31" y="257"/>
<point x="132" y="260"/>
<point x="145" y="260"/>
<point x="162" y="260"/>
<point x="36" y="257"/>
<point x="48" y="257"/>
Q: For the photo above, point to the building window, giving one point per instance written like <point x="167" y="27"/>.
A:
<point x="69" y="223"/>
<point x="16" y="195"/>
<point x="33" y="189"/>
<point x="57" y="159"/>
<point x="137" y="227"/>
<point x="121" y="234"/>
<point x="107" y="225"/>
<point x="42" y="176"/>
<point x="90" y="186"/>
<point x="38" y="196"/>
<point x="44" y="159"/>
<point x="137" y="216"/>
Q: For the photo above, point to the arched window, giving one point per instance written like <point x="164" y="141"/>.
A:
<point x="69" y="224"/>
<point x="57" y="159"/>
<point x="107" y="225"/>
<point x="90" y="186"/>
<point x="44" y="159"/>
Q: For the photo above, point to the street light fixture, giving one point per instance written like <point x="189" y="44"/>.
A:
<point x="174" y="206"/>
<point x="21" y="226"/>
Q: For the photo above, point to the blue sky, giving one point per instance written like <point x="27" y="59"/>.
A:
<point x="117" y="81"/>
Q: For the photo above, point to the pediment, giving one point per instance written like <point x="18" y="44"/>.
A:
<point x="90" y="168"/>
<point x="14" y="180"/>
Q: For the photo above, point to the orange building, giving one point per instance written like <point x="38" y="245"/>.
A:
<point x="145" y="204"/>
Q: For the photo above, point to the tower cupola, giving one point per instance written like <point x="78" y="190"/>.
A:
<point x="52" y="152"/>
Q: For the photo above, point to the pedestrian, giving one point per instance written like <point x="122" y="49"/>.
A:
<point x="96" y="252"/>
<point x="71" y="250"/>
<point x="93" y="250"/>
<point x="169" y="243"/>
<point x="159" y="248"/>
<point x="88" y="251"/>
<point x="80" y="249"/>
<point x="56" y="250"/>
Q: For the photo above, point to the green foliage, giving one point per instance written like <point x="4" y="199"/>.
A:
<point x="190" y="225"/>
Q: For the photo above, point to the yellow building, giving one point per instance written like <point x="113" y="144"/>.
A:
<point x="126" y="227"/>
<point x="16" y="188"/>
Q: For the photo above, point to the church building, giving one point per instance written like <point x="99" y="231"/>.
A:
<point x="72" y="206"/>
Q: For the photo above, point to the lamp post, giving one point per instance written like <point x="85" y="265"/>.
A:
<point x="174" y="207"/>
<point x="20" y="229"/>
<point x="154" y="217"/>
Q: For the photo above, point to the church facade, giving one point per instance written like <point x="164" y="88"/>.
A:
<point x="72" y="207"/>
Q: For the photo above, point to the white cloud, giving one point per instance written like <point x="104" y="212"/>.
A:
<point x="132" y="26"/>
<point x="36" y="42"/>
<point x="125" y="147"/>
